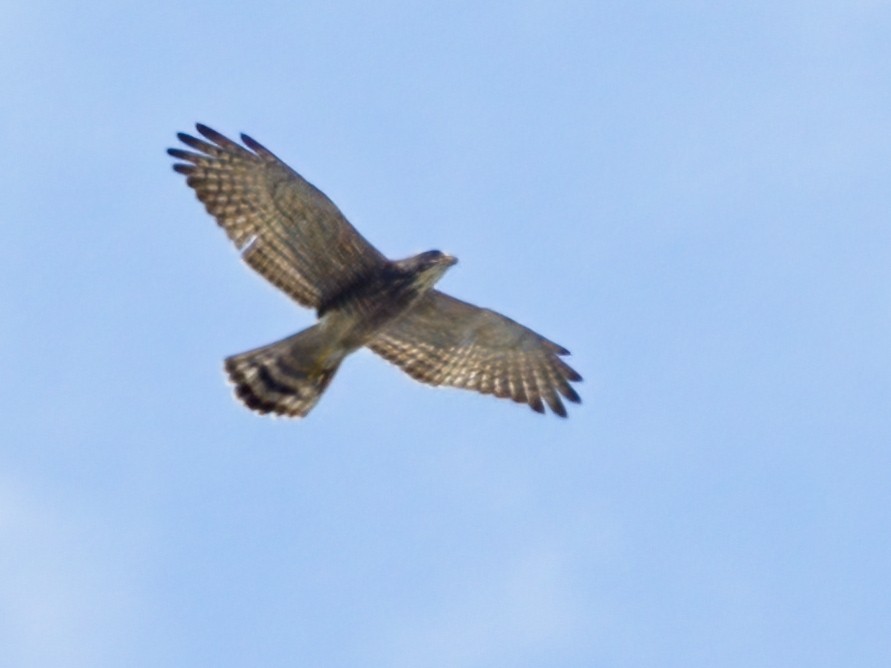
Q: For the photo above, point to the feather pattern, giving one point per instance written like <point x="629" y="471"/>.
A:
<point x="294" y="236"/>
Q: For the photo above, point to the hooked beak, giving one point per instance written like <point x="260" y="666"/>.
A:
<point x="449" y="260"/>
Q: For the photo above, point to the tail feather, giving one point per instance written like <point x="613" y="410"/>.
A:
<point x="287" y="377"/>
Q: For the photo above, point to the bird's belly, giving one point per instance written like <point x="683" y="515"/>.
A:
<point x="354" y="324"/>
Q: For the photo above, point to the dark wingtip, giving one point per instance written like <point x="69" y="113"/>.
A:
<point x="570" y="394"/>
<point x="256" y="146"/>
<point x="205" y="130"/>
<point x="217" y="138"/>
<point x="190" y="160"/>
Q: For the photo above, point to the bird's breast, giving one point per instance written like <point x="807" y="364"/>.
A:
<point x="358" y="314"/>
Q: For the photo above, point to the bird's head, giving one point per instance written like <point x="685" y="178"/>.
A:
<point x="428" y="267"/>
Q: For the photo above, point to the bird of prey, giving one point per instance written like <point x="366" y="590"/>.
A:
<point x="295" y="237"/>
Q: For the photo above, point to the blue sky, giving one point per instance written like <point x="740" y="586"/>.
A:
<point x="691" y="196"/>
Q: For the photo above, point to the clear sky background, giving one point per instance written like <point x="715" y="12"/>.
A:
<point x="691" y="196"/>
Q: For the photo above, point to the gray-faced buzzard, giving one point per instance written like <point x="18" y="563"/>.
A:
<point x="293" y="235"/>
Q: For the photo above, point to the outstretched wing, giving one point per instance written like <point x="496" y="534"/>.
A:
<point x="444" y="341"/>
<point x="285" y="228"/>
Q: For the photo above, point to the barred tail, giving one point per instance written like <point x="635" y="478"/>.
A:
<point x="286" y="377"/>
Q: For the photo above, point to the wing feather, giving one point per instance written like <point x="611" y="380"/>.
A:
<point x="444" y="341"/>
<point x="284" y="227"/>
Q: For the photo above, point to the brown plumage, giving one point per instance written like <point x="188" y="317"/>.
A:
<point x="294" y="236"/>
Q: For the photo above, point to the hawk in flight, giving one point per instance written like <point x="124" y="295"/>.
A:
<point x="295" y="237"/>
